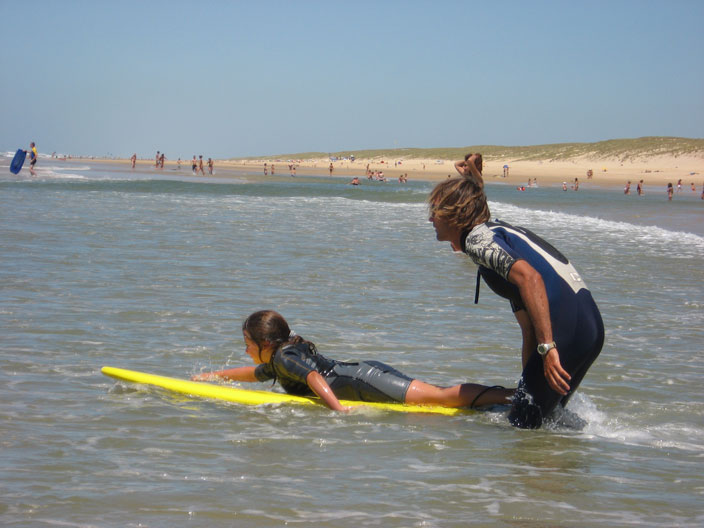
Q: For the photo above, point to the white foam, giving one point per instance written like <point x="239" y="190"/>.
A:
<point x="47" y="173"/>
<point x="668" y="435"/>
<point x="622" y="232"/>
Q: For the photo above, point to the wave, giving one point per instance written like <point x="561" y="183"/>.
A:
<point x="623" y="231"/>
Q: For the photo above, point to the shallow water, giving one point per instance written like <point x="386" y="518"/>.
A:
<point x="156" y="273"/>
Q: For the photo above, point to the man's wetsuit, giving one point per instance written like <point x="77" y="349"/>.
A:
<point x="370" y="381"/>
<point x="576" y="322"/>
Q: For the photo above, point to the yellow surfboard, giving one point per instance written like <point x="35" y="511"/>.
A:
<point x="257" y="397"/>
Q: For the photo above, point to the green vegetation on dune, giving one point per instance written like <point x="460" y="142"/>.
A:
<point x="621" y="149"/>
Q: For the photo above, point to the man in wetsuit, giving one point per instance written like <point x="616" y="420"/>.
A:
<point x="561" y="325"/>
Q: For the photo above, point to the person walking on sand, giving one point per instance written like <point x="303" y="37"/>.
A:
<point x="200" y="165"/>
<point x="562" y="329"/>
<point x="294" y="362"/>
<point x="331" y="168"/>
<point x="211" y="164"/>
<point x="194" y="165"/>
<point x="133" y="159"/>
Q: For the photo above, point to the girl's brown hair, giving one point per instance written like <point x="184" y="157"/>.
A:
<point x="269" y="327"/>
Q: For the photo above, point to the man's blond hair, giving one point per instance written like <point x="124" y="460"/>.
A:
<point x="461" y="202"/>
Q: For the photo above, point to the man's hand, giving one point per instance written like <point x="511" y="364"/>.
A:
<point x="557" y="377"/>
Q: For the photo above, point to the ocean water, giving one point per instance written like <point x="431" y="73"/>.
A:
<point x="156" y="271"/>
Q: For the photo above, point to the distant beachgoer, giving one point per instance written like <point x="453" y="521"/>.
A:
<point x="505" y="171"/>
<point x="161" y="160"/>
<point x="294" y="362"/>
<point x="670" y="191"/>
<point x="535" y="182"/>
<point x="194" y="164"/>
<point x="133" y="159"/>
<point x="693" y="187"/>
<point x="272" y="169"/>
<point x="679" y="185"/>
<point x="156" y="159"/>
<point x="639" y="188"/>
<point x="355" y="181"/>
<point x="564" y="186"/>
<point x="200" y="165"/>
<point x="331" y="167"/>
<point x="210" y="166"/>
<point x="471" y="167"/>
<point x="576" y="184"/>
<point x="627" y="189"/>
<point x="32" y="157"/>
<point x="178" y="164"/>
<point x="590" y="173"/>
<point x="266" y="169"/>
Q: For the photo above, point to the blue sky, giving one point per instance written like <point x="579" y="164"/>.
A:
<point x="227" y="79"/>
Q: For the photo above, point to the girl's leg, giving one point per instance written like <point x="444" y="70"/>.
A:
<point x="458" y="396"/>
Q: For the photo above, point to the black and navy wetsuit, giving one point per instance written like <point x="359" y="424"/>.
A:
<point x="577" y="326"/>
<point x="370" y="381"/>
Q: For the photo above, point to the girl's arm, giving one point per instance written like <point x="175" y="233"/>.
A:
<point x="235" y="374"/>
<point x="319" y="386"/>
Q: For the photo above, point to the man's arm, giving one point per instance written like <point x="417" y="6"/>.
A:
<point x="535" y="298"/>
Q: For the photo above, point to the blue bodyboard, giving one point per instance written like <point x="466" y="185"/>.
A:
<point x="18" y="161"/>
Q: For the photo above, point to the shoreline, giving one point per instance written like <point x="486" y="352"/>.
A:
<point x="607" y="173"/>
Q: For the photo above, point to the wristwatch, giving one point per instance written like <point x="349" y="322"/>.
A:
<point x="544" y="348"/>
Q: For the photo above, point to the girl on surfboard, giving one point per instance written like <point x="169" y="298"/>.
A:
<point x="282" y="355"/>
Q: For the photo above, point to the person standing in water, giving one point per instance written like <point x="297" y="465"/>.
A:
<point x="295" y="363"/>
<point x="32" y="157"/>
<point x="471" y="168"/>
<point x="562" y="329"/>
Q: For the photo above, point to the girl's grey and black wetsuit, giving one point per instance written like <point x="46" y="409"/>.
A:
<point x="576" y="322"/>
<point x="370" y="381"/>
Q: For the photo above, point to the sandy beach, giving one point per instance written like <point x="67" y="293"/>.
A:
<point x="654" y="170"/>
